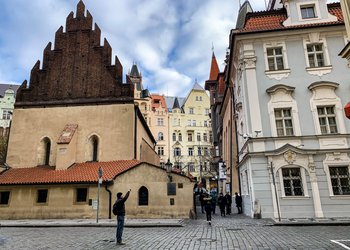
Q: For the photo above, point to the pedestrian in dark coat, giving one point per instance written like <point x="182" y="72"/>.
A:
<point x="228" y="203"/>
<point x="238" y="200"/>
<point x="201" y="197"/>
<point x="119" y="210"/>
<point x="222" y="204"/>
<point x="208" y="204"/>
<point x="214" y="200"/>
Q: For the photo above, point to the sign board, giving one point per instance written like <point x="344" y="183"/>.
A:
<point x="94" y="204"/>
<point x="222" y="171"/>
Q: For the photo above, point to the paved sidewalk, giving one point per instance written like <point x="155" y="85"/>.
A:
<point x="92" y="223"/>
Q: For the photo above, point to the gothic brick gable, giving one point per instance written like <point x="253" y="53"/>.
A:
<point x="77" y="70"/>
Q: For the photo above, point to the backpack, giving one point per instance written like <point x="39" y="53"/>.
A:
<point x="115" y="208"/>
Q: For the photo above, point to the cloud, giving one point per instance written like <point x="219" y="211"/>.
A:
<point x="171" y="41"/>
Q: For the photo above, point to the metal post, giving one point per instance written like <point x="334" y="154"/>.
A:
<point x="100" y="172"/>
<point x="274" y="184"/>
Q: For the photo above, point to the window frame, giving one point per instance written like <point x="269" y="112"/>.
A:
<point x="284" y="118"/>
<point x="160" y="136"/>
<point x="340" y="187"/>
<point x="275" y="56"/>
<point x="160" y="150"/>
<point x="8" y="198"/>
<point x="139" y="196"/>
<point x="190" y="151"/>
<point x="42" y="190"/>
<point x="76" y="195"/>
<point x="326" y="116"/>
<point x="177" y="151"/>
<point x="303" y="182"/>
<point x="308" y="6"/>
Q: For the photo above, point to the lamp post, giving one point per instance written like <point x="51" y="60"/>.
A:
<point x="100" y="173"/>
<point x="168" y="167"/>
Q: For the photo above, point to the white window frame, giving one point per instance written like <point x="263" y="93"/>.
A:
<point x="281" y="98"/>
<point x="160" y="122"/>
<point x="335" y="160"/>
<point x="303" y="181"/>
<point x="276" y="74"/>
<point x="160" y="136"/>
<point x="327" y="116"/>
<point x="309" y="4"/>
<point x="190" y="152"/>
<point x="323" y="94"/>
<point x="191" y="111"/>
<point x="283" y="119"/>
<point x="160" y="151"/>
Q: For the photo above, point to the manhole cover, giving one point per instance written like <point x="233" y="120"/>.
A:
<point x="206" y="240"/>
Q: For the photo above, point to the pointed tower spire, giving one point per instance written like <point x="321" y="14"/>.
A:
<point x="176" y="104"/>
<point x="214" y="68"/>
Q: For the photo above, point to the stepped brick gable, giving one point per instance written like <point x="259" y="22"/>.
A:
<point x="77" y="70"/>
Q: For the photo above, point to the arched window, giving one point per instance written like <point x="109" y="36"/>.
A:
<point x="143" y="196"/>
<point x="93" y="148"/>
<point x="174" y="137"/>
<point x="47" y="147"/>
<point x="180" y="137"/>
<point x="160" y="136"/>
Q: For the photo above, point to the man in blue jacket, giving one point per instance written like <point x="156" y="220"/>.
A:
<point x="119" y="210"/>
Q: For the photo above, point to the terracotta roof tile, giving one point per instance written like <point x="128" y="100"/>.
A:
<point x="273" y="20"/>
<point x="157" y="101"/>
<point x="78" y="173"/>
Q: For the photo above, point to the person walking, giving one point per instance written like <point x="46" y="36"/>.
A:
<point x="208" y="204"/>
<point x="119" y="210"/>
<point x="228" y="203"/>
<point x="238" y="200"/>
<point x="222" y="204"/>
<point x="201" y="197"/>
<point x="214" y="200"/>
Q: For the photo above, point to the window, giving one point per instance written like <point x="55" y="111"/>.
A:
<point x="81" y="194"/>
<point x="160" y="136"/>
<point x="42" y="196"/>
<point x="47" y="148"/>
<point x="191" y="167"/>
<point x="143" y="196"/>
<point x="327" y="120"/>
<point x="284" y="124"/>
<point x="205" y="123"/>
<point x="160" y="150"/>
<point x="200" y="98"/>
<point x="292" y="182"/>
<point x="190" y="151"/>
<point x="307" y="11"/>
<point x="174" y="122"/>
<point x="206" y="111"/>
<point x="340" y="179"/>
<point x="196" y="98"/>
<point x="199" y="151"/>
<point x="275" y="58"/>
<point x="205" y="137"/>
<point x="191" y="111"/>
<point x="198" y="137"/>
<point x="94" y="151"/>
<point x="177" y="151"/>
<point x="206" y="151"/>
<point x="160" y="122"/>
<point x="4" y="197"/>
<point x="189" y="122"/>
<point x="210" y="137"/>
<point x="194" y="123"/>
<point x="162" y="164"/>
<point x="190" y="137"/>
<point x="315" y="55"/>
<point x="6" y="114"/>
<point x="174" y="137"/>
<point x="180" y="137"/>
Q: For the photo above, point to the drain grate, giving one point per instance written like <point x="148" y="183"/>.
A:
<point x="234" y="229"/>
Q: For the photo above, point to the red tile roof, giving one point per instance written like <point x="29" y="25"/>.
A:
<point x="273" y="20"/>
<point x="161" y="101"/>
<point x="214" y="69"/>
<point x="78" y="173"/>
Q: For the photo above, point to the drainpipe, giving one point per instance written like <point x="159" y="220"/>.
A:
<point x="109" y="202"/>
<point x="135" y="134"/>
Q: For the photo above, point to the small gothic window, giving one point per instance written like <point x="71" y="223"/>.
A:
<point x="143" y="196"/>
<point x="93" y="148"/>
<point x="47" y="147"/>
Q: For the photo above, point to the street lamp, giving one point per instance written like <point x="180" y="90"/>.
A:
<point x="168" y="167"/>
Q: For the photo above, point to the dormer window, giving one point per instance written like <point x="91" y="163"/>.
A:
<point x="307" y="11"/>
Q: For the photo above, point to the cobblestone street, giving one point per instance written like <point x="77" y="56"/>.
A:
<point x="231" y="232"/>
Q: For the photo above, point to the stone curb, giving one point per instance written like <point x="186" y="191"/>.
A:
<point x="90" y="225"/>
<point x="288" y="224"/>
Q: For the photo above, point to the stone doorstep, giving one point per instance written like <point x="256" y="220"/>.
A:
<point x="312" y="221"/>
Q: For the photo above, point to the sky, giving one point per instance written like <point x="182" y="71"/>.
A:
<point x="171" y="41"/>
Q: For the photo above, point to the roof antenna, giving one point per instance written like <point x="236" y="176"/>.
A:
<point x="212" y="47"/>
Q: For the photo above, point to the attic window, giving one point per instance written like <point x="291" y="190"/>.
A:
<point x="308" y="11"/>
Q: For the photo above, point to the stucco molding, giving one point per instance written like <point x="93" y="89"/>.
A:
<point x="333" y="160"/>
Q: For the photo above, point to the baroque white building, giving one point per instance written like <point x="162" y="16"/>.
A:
<point x="290" y="86"/>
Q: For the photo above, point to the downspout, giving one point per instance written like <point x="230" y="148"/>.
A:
<point x="109" y="202"/>
<point x="231" y="146"/>
<point x="135" y="134"/>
